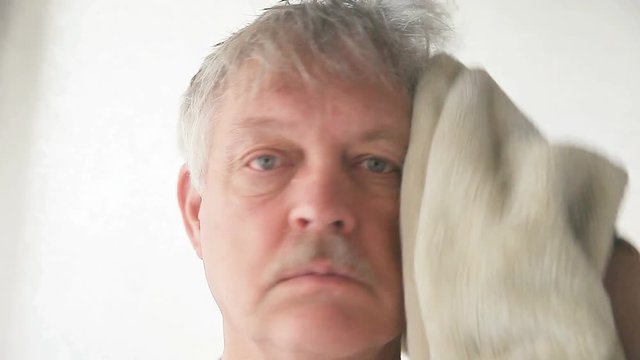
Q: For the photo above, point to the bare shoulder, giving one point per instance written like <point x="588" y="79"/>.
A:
<point x="622" y="282"/>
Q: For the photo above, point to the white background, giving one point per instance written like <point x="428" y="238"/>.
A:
<point x="94" y="263"/>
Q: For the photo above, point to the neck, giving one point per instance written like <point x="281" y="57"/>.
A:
<point x="245" y="348"/>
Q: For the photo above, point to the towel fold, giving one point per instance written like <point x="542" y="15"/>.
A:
<point x="505" y="237"/>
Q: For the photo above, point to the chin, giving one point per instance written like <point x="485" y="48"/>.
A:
<point x="330" y="329"/>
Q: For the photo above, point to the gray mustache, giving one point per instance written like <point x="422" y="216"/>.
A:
<point x="305" y="248"/>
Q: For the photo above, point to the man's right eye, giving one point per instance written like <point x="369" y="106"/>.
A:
<point x="265" y="163"/>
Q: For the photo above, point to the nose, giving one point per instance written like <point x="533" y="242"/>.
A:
<point x="323" y="201"/>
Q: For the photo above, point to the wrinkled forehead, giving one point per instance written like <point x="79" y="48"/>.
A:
<point x="354" y="106"/>
<point x="256" y="76"/>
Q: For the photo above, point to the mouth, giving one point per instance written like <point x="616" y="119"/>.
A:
<point x="321" y="272"/>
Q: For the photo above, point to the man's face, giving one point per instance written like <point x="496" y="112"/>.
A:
<point x="299" y="219"/>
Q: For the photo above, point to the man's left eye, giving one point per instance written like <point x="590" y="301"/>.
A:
<point x="377" y="165"/>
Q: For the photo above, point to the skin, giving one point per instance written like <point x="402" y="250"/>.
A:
<point x="292" y="161"/>
<point x="622" y="282"/>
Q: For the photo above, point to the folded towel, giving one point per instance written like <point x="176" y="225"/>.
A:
<point x="505" y="237"/>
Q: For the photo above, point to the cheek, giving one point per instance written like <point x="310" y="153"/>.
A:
<point x="251" y="184"/>
<point x="385" y="253"/>
<point x="380" y="236"/>
<point x="380" y="240"/>
<point x="238" y="239"/>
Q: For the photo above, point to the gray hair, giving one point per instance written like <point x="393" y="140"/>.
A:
<point x="390" y="40"/>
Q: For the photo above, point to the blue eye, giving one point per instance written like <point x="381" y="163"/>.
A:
<point x="378" y="165"/>
<point x="265" y="162"/>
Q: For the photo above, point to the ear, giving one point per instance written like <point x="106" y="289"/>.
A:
<point x="189" y="200"/>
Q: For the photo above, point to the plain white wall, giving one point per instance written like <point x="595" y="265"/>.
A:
<point x="94" y="263"/>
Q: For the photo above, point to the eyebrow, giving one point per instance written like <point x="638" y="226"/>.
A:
<point x="248" y="127"/>
<point x="258" y="123"/>
<point x="385" y="134"/>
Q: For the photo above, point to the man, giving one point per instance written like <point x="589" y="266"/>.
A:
<point x="294" y="132"/>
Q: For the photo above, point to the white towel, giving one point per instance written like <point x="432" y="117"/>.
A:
<point x="505" y="237"/>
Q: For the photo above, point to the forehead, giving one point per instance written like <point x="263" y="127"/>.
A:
<point x="291" y="98"/>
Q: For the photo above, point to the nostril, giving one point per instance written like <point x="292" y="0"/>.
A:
<point x="338" y="224"/>
<point x="303" y="222"/>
